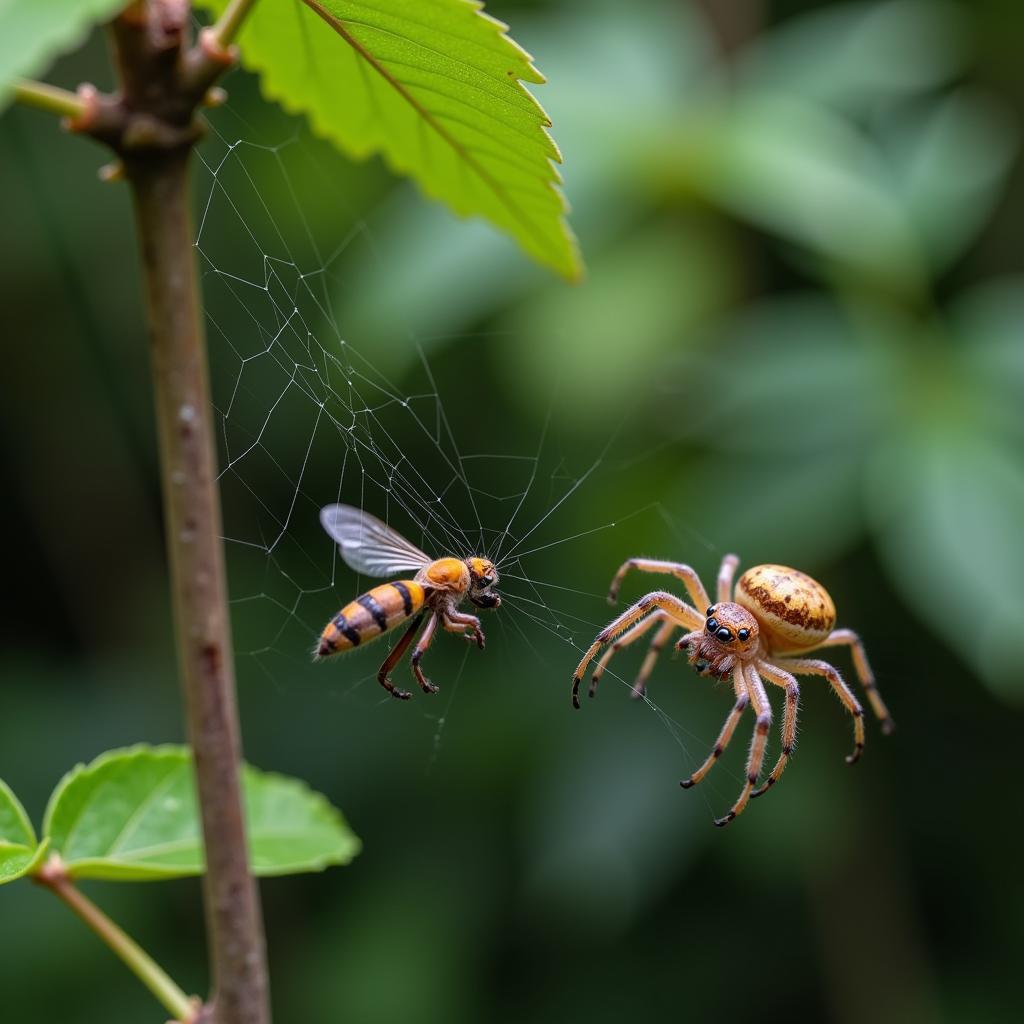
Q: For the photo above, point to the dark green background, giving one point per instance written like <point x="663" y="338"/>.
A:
<point x="800" y="339"/>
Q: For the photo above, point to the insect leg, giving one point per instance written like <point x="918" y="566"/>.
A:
<point x="459" y="622"/>
<point x="383" y="675"/>
<point x="421" y="646"/>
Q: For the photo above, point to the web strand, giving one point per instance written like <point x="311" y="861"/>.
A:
<point x="306" y="418"/>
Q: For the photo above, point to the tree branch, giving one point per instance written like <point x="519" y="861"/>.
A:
<point x="193" y="523"/>
<point x="154" y="140"/>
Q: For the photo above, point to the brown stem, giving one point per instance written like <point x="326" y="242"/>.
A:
<point x="151" y="124"/>
<point x="159" y="184"/>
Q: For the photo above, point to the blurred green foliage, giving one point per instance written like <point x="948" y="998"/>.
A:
<point x="802" y="328"/>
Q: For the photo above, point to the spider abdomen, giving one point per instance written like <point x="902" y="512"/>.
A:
<point x="794" y="611"/>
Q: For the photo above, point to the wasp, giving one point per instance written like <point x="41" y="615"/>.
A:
<point x="372" y="548"/>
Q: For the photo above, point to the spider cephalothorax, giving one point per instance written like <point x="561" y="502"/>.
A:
<point x="730" y="635"/>
<point x="760" y="630"/>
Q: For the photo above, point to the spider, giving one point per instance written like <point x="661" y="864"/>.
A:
<point x="762" y="629"/>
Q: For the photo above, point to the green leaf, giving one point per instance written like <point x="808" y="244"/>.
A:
<point x="988" y="320"/>
<point x="808" y="175"/>
<point x="948" y="501"/>
<point x="856" y="56"/>
<point x="951" y="164"/>
<point x="433" y="86"/>
<point x="20" y="851"/>
<point x="32" y="34"/>
<point x="131" y="815"/>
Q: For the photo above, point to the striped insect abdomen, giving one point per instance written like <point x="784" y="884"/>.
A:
<point x="370" y="615"/>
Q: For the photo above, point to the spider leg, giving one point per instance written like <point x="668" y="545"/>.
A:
<point x="694" y="587"/>
<point x="814" y="667"/>
<point x="742" y="700"/>
<point x="789" y="684"/>
<point x="421" y="648"/>
<point x="383" y="674"/>
<point x="679" y="611"/>
<point x="725" y="574"/>
<point x="457" y="622"/>
<point x="763" y="710"/>
<point x="658" y="642"/>
<point x="631" y="636"/>
<point x="847" y="638"/>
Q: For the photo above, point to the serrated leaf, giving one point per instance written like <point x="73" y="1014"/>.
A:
<point x="19" y="849"/>
<point x="432" y="85"/>
<point x="130" y="815"/>
<point x="32" y="34"/>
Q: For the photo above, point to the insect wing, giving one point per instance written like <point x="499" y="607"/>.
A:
<point x="368" y="545"/>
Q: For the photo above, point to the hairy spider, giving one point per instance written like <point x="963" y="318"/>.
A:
<point x="760" y="630"/>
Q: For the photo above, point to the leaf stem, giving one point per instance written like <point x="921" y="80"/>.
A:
<point x="50" y="98"/>
<point x="182" y="1007"/>
<point x="229" y="24"/>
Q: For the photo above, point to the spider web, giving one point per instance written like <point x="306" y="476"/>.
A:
<point x="306" y="417"/>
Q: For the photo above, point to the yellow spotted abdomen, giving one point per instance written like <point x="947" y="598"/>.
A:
<point x="370" y="615"/>
<point x="793" y="610"/>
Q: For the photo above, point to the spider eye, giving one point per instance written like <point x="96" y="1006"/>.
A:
<point x="710" y="611"/>
<point x="712" y="625"/>
<point x="724" y="634"/>
<point x="744" y="634"/>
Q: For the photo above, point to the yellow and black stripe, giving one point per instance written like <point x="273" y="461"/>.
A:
<point x="371" y="615"/>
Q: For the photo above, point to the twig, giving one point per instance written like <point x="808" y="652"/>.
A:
<point x="228" y="25"/>
<point x="183" y="1008"/>
<point x="50" y="98"/>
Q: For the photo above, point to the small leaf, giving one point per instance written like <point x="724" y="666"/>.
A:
<point x="131" y="815"/>
<point x="19" y="849"/>
<point x="32" y="34"/>
<point x="433" y="86"/>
